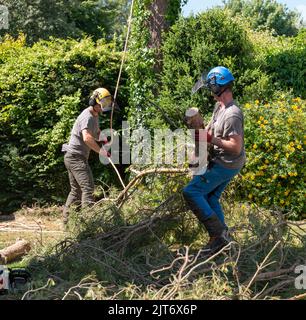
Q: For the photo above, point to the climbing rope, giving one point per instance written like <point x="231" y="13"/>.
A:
<point x="117" y="88"/>
<point x="121" y="67"/>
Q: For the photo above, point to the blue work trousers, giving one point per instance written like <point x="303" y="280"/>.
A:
<point x="204" y="191"/>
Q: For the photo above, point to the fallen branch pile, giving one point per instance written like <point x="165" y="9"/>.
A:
<point x="141" y="251"/>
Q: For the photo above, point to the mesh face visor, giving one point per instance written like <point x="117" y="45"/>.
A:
<point x="200" y="83"/>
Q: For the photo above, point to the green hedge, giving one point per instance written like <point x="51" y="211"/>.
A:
<point x="197" y="44"/>
<point x="263" y="65"/>
<point x="42" y="90"/>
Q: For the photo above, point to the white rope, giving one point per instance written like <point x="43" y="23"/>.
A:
<point x="118" y="174"/>
<point x="121" y="67"/>
<point x="117" y="87"/>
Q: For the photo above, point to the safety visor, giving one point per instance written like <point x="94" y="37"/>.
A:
<point x="107" y="103"/>
<point x="202" y="82"/>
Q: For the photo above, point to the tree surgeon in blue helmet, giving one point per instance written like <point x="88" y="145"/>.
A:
<point x="225" y="134"/>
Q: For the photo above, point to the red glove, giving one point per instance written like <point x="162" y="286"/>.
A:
<point x="197" y="136"/>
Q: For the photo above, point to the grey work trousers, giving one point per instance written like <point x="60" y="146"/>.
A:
<point x="81" y="181"/>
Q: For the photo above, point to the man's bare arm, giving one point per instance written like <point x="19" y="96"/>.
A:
<point x="232" y="144"/>
<point x="90" y="141"/>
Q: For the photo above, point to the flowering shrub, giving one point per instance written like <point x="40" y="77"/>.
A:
<point x="274" y="175"/>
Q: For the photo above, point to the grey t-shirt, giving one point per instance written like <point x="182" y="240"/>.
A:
<point x="76" y="143"/>
<point x="225" y="123"/>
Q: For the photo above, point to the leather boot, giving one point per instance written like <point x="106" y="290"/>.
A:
<point x="217" y="233"/>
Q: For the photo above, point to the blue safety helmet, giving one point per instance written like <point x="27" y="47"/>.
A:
<point x="217" y="80"/>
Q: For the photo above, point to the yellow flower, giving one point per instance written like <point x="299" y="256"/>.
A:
<point x="250" y="196"/>
<point x="296" y="99"/>
<point x="287" y="155"/>
<point x="261" y="118"/>
<point x="291" y="144"/>
<point x="295" y="107"/>
<point x="299" y="147"/>
<point x="274" y="176"/>
<point x="286" y="193"/>
<point x="255" y="146"/>
<point x="257" y="102"/>
<point x="247" y="105"/>
<point x="262" y="126"/>
<point x="258" y="185"/>
<point x="282" y="201"/>
<point x="267" y="145"/>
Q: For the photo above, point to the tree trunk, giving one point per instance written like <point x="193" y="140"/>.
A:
<point x="158" y="25"/>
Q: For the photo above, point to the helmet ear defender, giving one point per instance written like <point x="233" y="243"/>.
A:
<point x="218" y="90"/>
<point x="92" y="99"/>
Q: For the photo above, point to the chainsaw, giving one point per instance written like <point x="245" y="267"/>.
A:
<point x="12" y="279"/>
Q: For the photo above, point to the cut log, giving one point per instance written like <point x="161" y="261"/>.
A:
<point x="14" y="251"/>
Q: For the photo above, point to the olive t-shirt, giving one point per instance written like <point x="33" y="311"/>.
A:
<point x="76" y="143"/>
<point x="227" y="122"/>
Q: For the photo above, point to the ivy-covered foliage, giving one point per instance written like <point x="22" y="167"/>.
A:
<point x="144" y="82"/>
<point x="42" y="90"/>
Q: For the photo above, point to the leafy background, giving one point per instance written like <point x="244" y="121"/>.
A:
<point x="49" y="67"/>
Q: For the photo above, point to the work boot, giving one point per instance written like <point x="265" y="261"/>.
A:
<point x="217" y="233"/>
